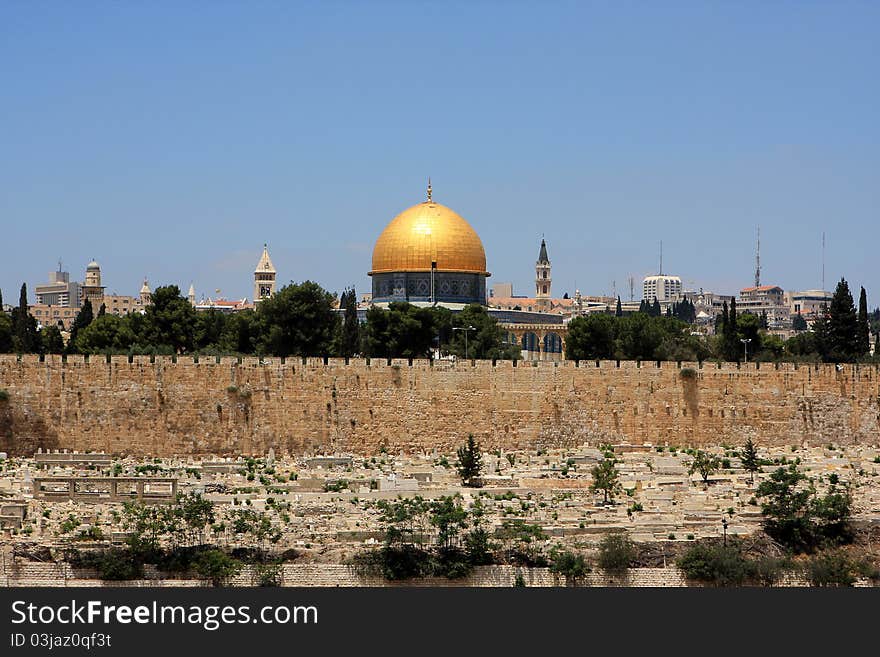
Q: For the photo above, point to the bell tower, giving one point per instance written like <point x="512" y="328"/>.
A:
<point x="264" y="277"/>
<point x="542" y="279"/>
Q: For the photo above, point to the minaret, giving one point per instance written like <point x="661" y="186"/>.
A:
<point x="92" y="290"/>
<point x="146" y="294"/>
<point x="191" y="295"/>
<point x="264" y="277"/>
<point x="542" y="279"/>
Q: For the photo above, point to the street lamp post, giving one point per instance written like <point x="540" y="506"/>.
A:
<point x="745" y="342"/>
<point x="466" y="330"/>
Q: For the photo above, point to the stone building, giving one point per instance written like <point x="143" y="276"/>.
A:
<point x="92" y="290"/>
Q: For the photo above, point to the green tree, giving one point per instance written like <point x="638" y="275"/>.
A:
<point x="170" y="320"/>
<point x="208" y="330"/>
<point x="606" y="478"/>
<point x="863" y="335"/>
<point x="83" y="318"/>
<point x="704" y="463"/>
<point x="401" y="331"/>
<point x="349" y="342"/>
<point x="6" y="333"/>
<point x="798" y="323"/>
<point x="796" y="516"/>
<point x="298" y="321"/>
<point x="241" y="332"/>
<point x="841" y="341"/>
<point x="616" y="552"/>
<point x="618" y="310"/>
<point x="485" y="342"/>
<point x="591" y="337"/>
<point x="24" y="326"/>
<point x="105" y="334"/>
<point x="216" y="566"/>
<point x="470" y="461"/>
<point x="749" y="459"/>
<point x="450" y="519"/>
<point x="52" y="341"/>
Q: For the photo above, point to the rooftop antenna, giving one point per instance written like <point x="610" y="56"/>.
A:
<point x="632" y="288"/>
<point x="661" y="258"/>
<point x="758" y="260"/>
<point x="59" y="264"/>
<point x="614" y="289"/>
<point x="429" y="189"/>
<point x="823" y="260"/>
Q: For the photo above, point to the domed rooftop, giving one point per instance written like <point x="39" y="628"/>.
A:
<point x="92" y="265"/>
<point x="429" y="232"/>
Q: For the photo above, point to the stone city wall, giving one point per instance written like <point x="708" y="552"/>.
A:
<point x="331" y="575"/>
<point x="297" y="406"/>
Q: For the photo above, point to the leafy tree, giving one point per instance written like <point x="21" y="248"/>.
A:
<point x="798" y="323"/>
<point x="749" y="328"/>
<point x="52" y="341"/>
<point x="616" y="552"/>
<point x="105" y="334"/>
<point x="170" y="320"/>
<point x="590" y="337"/>
<point x="241" y="332"/>
<point x="796" y="516"/>
<point x="721" y="565"/>
<point x="102" y="310"/>
<point x="6" y="333"/>
<point x="606" y="478"/>
<point x="749" y="459"/>
<point x="486" y="342"/>
<point x="216" y="565"/>
<point x="470" y="461"/>
<point x="704" y="463"/>
<point x="208" y="329"/>
<point x="401" y="331"/>
<point x="83" y="318"/>
<point x="298" y="321"/>
<point x="572" y="566"/>
<point x="450" y="519"/>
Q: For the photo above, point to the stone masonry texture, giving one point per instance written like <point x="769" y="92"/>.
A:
<point x="166" y="407"/>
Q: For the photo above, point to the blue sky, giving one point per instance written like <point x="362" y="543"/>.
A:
<point x="173" y="138"/>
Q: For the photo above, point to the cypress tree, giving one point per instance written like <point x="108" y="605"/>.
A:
<point x="351" y="336"/>
<point x="102" y="310"/>
<point x="83" y="318"/>
<point x="844" y="324"/>
<point x="655" y="308"/>
<point x="24" y="327"/>
<point x="618" y="312"/>
<point x="1" y="301"/>
<point x="864" y="328"/>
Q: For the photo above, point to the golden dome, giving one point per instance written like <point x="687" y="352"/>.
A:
<point x="429" y="232"/>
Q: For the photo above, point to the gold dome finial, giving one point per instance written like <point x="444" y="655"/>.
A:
<point x="429" y="189"/>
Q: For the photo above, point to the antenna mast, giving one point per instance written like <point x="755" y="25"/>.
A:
<point x="758" y="260"/>
<point x="632" y="287"/>
<point x="823" y="260"/>
<point x="661" y="258"/>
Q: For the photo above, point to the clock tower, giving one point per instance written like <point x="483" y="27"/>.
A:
<point x="264" y="277"/>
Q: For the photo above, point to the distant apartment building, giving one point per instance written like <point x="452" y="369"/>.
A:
<point x="766" y="299"/>
<point x="60" y="316"/>
<point x="808" y="303"/>
<point x="59" y="291"/>
<point x="662" y="287"/>
<point x="707" y="305"/>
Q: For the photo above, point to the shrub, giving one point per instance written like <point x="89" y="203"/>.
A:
<point x="268" y="574"/>
<point x="688" y="373"/>
<point x="216" y="565"/>
<point x="833" y="568"/>
<point x="4" y="395"/>
<point x="569" y="565"/>
<point x="616" y="552"/>
<point x="720" y="565"/>
<point x="116" y="564"/>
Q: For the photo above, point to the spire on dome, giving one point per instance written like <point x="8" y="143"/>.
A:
<point x="429" y="190"/>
